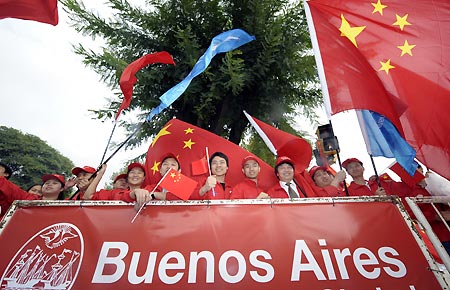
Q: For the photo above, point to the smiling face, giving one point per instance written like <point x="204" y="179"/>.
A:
<point x="136" y="176"/>
<point x="51" y="189"/>
<point x="322" y="178"/>
<point x="219" y="166"/>
<point x="120" y="183"/>
<point x="83" y="181"/>
<point x="36" y="189"/>
<point x="285" y="172"/>
<point x="355" y="169"/>
<point x="251" y="169"/>
<point x="167" y="164"/>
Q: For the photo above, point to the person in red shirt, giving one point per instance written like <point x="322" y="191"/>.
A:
<point x="35" y="189"/>
<point x="327" y="185"/>
<point x="120" y="181"/>
<point x="287" y="187"/>
<point x="82" y="181"/>
<point x="52" y="189"/>
<point x="215" y="186"/>
<point x="249" y="188"/>
<point x="135" y="180"/>
<point x="169" y="161"/>
<point x="359" y="186"/>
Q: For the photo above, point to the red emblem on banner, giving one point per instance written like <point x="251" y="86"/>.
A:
<point x="50" y="259"/>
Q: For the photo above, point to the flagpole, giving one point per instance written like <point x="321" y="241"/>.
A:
<point x="375" y="170"/>
<point x="321" y="72"/>
<point x="340" y="166"/>
<point x="209" y="169"/>
<point x="156" y="186"/>
<point x="123" y="144"/>
<point x="339" y="159"/>
<point x="109" y="141"/>
<point x="319" y="62"/>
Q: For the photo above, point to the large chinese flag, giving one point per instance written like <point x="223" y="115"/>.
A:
<point x="45" y="11"/>
<point x="391" y="57"/>
<point x="189" y="143"/>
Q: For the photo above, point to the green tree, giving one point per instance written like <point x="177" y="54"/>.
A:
<point x="270" y="77"/>
<point x="30" y="157"/>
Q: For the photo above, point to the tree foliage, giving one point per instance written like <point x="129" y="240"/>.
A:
<point x="30" y="157"/>
<point x="269" y="77"/>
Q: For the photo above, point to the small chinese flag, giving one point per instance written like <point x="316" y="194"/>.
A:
<point x="178" y="184"/>
<point x="199" y="167"/>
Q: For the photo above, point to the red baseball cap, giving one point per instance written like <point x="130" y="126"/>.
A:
<point x="87" y="169"/>
<point x="120" y="176"/>
<point x="314" y="169"/>
<point x="58" y="177"/>
<point x="284" y="159"/>
<point x="134" y="165"/>
<point x="248" y="158"/>
<point x="171" y="155"/>
<point x="350" y="160"/>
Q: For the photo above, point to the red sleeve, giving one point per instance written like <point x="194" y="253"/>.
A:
<point x="12" y="192"/>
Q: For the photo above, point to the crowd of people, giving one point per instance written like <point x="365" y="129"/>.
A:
<point x="130" y="187"/>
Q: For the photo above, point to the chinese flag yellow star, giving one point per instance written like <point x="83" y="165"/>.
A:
<point x="155" y="167"/>
<point x="401" y="21"/>
<point x="406" y="48"/>
<point x="161" y="133"/>
<point x="386" y="66"/>
<point x="378" y="7"/>
<point x="189" y="131"/>
<point x="350" y="32"/>
<point x="188" y="144"/>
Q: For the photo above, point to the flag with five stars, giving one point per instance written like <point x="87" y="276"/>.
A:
<point x="45" y="11"/>
<point x="390" y="57"/>
<point x="178" y="184"/>
<point x="188" y="143"/>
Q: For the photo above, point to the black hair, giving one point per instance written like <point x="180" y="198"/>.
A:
<point x="286" y="162"/>
<point x="33" y="186"/>
<point x="218" y="154"/>
<point x="167" y="157"/>
<point x="8" y="170"/>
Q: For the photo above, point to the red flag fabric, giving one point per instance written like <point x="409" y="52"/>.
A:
<point x="285" y="144"/>
<point x="406" y="178"/>
<point x="199" y="167"/>
<point x="189" y="143"/>
<point x="128" y="78"/>
<point x="178" y="184"/>
<point x="391" y="57"/>
<point x="45" y="11"/>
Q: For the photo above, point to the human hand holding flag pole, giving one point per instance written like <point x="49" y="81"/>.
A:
<point x="175" y="182"/>
<point x="153" y="190"/>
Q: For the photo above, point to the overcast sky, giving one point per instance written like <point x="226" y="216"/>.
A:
<point x="46" y="91"/>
